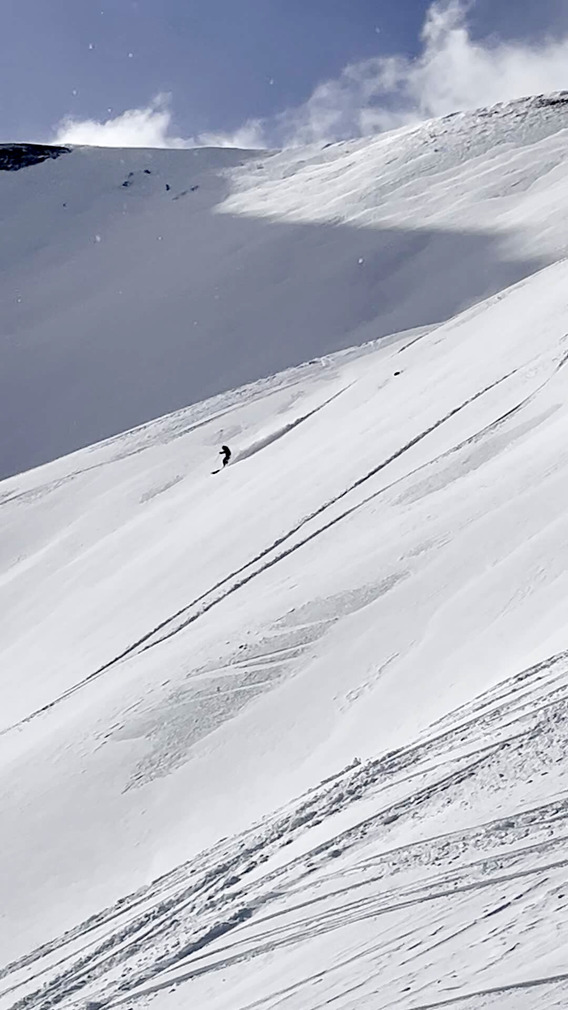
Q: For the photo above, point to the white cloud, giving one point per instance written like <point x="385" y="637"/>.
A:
<point x="146" y="127"/>
<point x="452" y="72"/>
<point x="251" y="136"/>
<point x="150" y="127"/>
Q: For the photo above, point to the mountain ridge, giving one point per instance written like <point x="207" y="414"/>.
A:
<point x="124" y="300"/>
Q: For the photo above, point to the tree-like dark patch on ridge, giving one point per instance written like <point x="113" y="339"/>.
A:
<point x="16" y="156"/>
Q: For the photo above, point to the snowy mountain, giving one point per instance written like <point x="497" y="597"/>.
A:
<point x="291" y="734"/>
<point x="123" y="299"/>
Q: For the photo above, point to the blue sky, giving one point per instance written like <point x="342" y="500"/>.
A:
<point x="223" y="62"/>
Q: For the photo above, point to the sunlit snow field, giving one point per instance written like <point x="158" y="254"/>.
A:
<point x="291" y="735"/>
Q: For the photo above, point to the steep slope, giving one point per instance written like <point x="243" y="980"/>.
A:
<point x="293" y="734"/>
<point x="123" y="299"/>
<point x="379" y="578"/>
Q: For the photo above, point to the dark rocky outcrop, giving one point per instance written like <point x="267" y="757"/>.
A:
<point x="16" y="156"/>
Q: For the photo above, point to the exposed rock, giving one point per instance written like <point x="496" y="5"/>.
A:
<point x="16" y="156"/>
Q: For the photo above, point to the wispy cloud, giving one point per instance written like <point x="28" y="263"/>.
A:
<point x="150" y="127"/>
<point x="146" y="127"/>
<point x="250" y="136"/>
<point x="451" y="73"/>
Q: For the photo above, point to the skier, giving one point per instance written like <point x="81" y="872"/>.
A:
<point x="226" y="454"/>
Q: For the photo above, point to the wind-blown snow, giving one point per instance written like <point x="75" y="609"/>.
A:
<point x="123" y="300"/>
<point x="294" y="734"/>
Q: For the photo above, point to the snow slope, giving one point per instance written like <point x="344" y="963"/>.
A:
<point x="122" y="300"/>
<point x="293" y="735"/>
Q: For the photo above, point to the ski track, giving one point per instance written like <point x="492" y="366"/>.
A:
<point x="433" y="872"/>
<point x="210" y="908"/>
<point x="144" y="643"/>
<point x="494" y="991"/>
<point x="246" y="396"/>
<point x="274" y="436"/>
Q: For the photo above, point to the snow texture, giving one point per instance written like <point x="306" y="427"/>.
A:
<point x="123" y="300"/>
<point x="294" y="735"/>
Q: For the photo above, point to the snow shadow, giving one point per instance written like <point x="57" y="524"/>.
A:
<point x="127" y="329"/>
